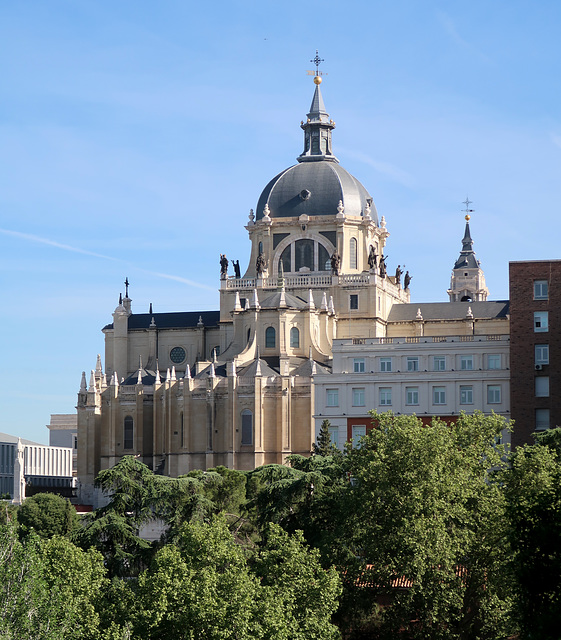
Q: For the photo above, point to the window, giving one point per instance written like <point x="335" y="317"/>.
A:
<point x="540" y="321"/>
<point x="494" y="393"/>
<point x="540" y="290"/>
<point x="334" y="436"/>
<point x="353" y="301"/>
<point x="352" y="254"/>
<point x="542" y="354"/>
<point x="247" y="427"/>
<point x="385" y="364"/>
<point x="358" y="397"/>
<point x="332" y="397"/>
<point x="128" y="433"/>
<point x="542" y="419"/>
<point x="182" y="430"/>
<point x="493" y="361"/>
<point x="466" y="363"/>
<point x="412" y="395"/>
<point x="439" y="395"/>
<point x="412" y="363"/>
<point x="75" y="442"/>
<point x="439" y="363"/>
<point x="466" y="395"/>
<point x="358" y="365"/>
<point x="542" y="387"/>
<point x="385" y="396"/>
<point x="358" y="431"/>
<point x="294" y="338"/>
<point x="270" y="338"/>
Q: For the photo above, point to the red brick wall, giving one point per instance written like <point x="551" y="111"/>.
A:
<point x="523" y="339"/>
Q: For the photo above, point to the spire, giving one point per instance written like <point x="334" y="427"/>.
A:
<point x="92" y="381"/>
<point x="83" y="386"/>
<point x="468" y="281"/>
<point x="187" y="372"/>
<point x="317" y="129"/>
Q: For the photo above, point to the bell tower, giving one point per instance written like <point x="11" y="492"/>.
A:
<point x="467" y="283"/>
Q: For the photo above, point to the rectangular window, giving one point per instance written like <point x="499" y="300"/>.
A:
<point x="540" y="290"/>
<point x="334" y="435"/>
<point x="542" y="419"/>
<point x="358" y="365"/>
<point x="332" y="397"/>
<point x="542" y="387"/>
<point x="358" y="397"/>
<point x="412" y="395"/>
<point x="358" y="430"/>
<point x="542" y="354"/>
<point x="385" y="396"/>
<point x="412" y="363"/>
<point x="439" y="395"/>
<point x="493" y="361"/>
<point x="466" y="395"/>
<point x="541" y="321"/>
<point x="385" y="364"/>
<point x="466" y="363"/>
<point x="353" y="301"/>
<point x="247" y="427"/>
<point x="439" y="363"/>
<point x="494" y="393"/>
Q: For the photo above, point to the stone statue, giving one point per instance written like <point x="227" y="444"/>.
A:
<point x="383" y="268"/>
<point x="406" y="280"/>
<point x="236" y="265"/>
<point x="261" y="264"/>
<point x="398" y="273"/>
<point x="372" y="258"/>
<point x="335" y="263"/>
<point x="223" y="266"/>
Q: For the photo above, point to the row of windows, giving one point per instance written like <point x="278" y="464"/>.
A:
<point x="271" y="338"/>
<point x="412" y="395"/>
<point x="438" y="363"/>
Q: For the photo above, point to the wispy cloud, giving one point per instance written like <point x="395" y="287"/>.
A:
<point x="66" y="247"/>
<point x="556" y="139"/>
<point x="450" y="28"/>
<point x="386" y="168"/>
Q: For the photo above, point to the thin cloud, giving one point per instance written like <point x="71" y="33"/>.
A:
<point x="66" y="247"/>
<point x="556" y="139"/>
<point x="385" y="168"/>
<point x="450" y="28"/>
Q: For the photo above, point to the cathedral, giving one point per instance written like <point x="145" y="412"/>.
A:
<point x="235" y="387"/>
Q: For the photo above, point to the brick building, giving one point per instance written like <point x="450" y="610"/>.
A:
<point x="535" y="347"/>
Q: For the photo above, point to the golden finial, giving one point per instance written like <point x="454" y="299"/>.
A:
<point x="317" y="80"/>
<point x="467" y="202"/>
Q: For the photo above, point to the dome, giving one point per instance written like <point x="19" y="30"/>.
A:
<point x="314" y="189"/>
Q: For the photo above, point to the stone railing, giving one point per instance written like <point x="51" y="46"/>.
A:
<point x="420" y="339"/>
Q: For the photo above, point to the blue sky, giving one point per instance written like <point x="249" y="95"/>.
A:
<point x="136" y="136"/>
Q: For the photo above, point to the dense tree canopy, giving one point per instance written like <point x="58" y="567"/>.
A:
<point x="419" y="531"/>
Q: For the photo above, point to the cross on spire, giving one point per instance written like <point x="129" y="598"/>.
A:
<point x="126" y="287"/>
<point x="467" y="210"/>
<point x="317" y="61"/>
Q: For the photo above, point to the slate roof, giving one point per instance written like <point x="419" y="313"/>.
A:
<point x="273" y="301"/>
<point x="8" y="439"/>
<point x="449" y="310"/>
<point x="175" y="320"/>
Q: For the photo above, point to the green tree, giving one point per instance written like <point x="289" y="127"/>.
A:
<point x="424" y="510"/>
<point x="533" y="489"/>
<point x="47" y="514"/>
<point x="324" y="446"/>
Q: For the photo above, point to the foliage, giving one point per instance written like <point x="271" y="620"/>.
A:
<point x="423" y="506"/>
<point x="324" y="446"/>
<point x="47" y="514"/>
<point x="533" y="489"/>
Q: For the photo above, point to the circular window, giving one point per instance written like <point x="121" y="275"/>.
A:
<point x="177" y="355"/>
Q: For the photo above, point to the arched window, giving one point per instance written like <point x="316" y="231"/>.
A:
<point x="352" y="254"/>
<point x="128" y="433"/>
<point x="294" y="338"/>
<point x="247" y="427"/>
<point x="270" y="338"/>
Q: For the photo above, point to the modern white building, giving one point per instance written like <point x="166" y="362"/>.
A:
<point x="63" y="432"/>
<point x="42" y="468"/>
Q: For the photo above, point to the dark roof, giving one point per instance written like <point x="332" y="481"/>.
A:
<point x="449" y="310"/>
<point x="327" y="183"/>
<point x="176" y="320"/>
<point x="273" y="301"/>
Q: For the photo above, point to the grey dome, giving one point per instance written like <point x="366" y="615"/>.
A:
<point x="314" y="189"/>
